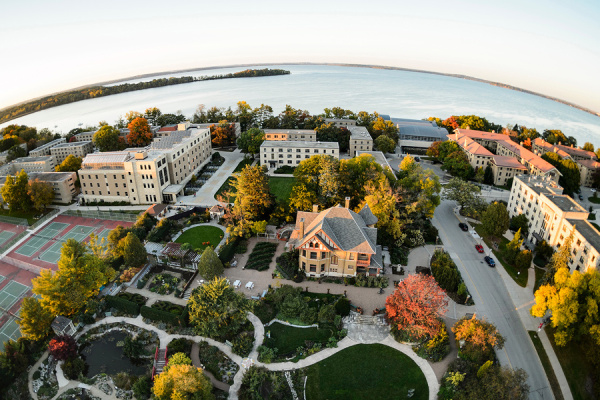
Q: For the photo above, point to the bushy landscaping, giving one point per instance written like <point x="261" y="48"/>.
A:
<point x="217" y="363"/>
<point x="446" y="274"/>
<point x="261" y="256"/>
<point x="167" y="306"/>
<point x="164" y="283"/>
<point x="260" y="383"/>
<point x="200" y="237"/>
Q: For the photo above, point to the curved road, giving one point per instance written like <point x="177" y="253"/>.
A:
<point x="492" y="300"/>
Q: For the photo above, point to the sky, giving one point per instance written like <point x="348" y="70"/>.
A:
<point x="549" y="46"/>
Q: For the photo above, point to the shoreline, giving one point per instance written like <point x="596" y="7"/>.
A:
<point x="372" y="66"/>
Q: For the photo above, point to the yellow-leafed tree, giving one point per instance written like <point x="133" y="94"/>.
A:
<point x="182" y="381"/>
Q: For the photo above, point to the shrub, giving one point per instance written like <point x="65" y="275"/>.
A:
<point x="266" y="354"/>
<point x="445" y="271"/>
<point x="141" y="388"/>
<point x="227" y="251"/>
<point x="342" y="306"/>
<point x="435" y="348"/>
<point x="73" y="367"/>
<point x="123" y="381"/>
<point x="133" y="297"/>
<point x="180" y="346"/>
<point x="242" y="344"/>
<point x="63" y="347"/>
<point x="159" y="315"/>
<point x="122" y="304"/>
<point x="287" y="264"/>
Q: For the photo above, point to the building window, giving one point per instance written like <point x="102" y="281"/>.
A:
<point x="303" y="253"/>
<point x="313" y="268"/>
<point x="322" y="267"/>
<point x="313" y="255"/>
<point x="334" y="260"/>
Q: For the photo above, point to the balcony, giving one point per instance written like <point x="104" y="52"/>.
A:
<point x="365" y="263"/>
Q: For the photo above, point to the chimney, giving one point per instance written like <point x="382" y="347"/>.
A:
<point x="301" y="228"/>
<point x="315" y="208"/>
<point x="347" y="202"/>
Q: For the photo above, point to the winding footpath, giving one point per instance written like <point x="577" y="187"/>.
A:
<point x="259" y="333"/>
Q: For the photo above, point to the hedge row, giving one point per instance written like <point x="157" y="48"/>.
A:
<point x="265" y="245"/>
<point x="264" y="257"/>
<point x="227" y="251"/>
<point x="123" y="305"/>
<point x="159" y="315"/>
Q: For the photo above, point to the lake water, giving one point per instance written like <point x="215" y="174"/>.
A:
<point x="399" y="94"/>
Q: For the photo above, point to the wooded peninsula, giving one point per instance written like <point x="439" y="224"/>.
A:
<point x="91" y="92"/>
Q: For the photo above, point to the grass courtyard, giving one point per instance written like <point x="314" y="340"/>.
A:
<point x="281" y="187"/>
<point x="26" y="214"/>
<point x="287" y="339"/>
<point x="201" y="234"/>
<point x="366" y="371"/>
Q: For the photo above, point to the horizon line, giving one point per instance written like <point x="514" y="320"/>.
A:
<point x="372" y="66"/>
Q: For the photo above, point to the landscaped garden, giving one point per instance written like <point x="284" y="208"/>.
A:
<point x="261" y="256"/>
<point x="169" y="307"/>
<point x="366" y="371"/>
<point x="286" y="339"/>
<point x="217" y="362"/>
<point x="200" y="237"/>
<point x="164" y="283"/>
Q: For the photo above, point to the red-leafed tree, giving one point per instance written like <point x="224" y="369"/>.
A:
<point x="139" y="133"/>
<point x="222" y="134"/>
<point x="416" y="305"/>
<point x="63" y="347"/>
<point x="451" y="122"/>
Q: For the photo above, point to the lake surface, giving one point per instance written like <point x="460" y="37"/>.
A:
<point x="399" y="94"/>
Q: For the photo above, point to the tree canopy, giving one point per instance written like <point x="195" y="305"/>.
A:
<point x="34" y="320"/>
<point x="181" y="381"/>
<point x="69" y="164"/>
<point x="139" y="132"/>
<point x="570" y="175"/>
<point x="250" y="140"/>
<point x="107" y="139"/>
<point x="41" y="194"/>
<point x="14" y="192"/>
<point x="385" y="144"/>
<point x="495" y="219"/>
<point x="210" y="266"/>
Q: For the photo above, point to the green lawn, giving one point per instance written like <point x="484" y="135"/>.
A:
<point x="281" y="187"/>
<point x="286" y="339"/>
<point x="595" y="200"/>
<point x="575" y="366"/>
<point x="539" y="347"/>
<point x="28" y="215"/>
<point x="201" y="234"/>
<point x="521" y="278"/>
<point x="366" y="371"/>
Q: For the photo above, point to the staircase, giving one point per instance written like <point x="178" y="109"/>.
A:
<point x="160" y="360"/>
<point x="188" y="293"/>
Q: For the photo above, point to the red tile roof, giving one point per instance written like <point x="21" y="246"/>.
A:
<point x="527" y="155"/>
<point x="506" y="161"/>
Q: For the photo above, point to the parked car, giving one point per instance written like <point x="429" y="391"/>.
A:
<point x="417" y="159"/>
<point x="479" y="248"/>
<point x="490" y="261"/>
<point x="463" y="226"/>
<point x="581" y="197"/>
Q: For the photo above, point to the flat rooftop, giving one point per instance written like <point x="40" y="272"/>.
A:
<point x="72" y="144"/>
<point x="45" y="176"/>
<point x="50" y="144"/>
<point x="359" y="132"/>
<point x="540" y="184"/>
<point x="419" y="128"/>
<point x="565" y="203"/>
<point x="32" y="159"/>
<point x="588" y="231"/>
<point x="300" y="144"/>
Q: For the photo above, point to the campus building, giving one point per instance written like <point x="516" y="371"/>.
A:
<point x="123" y="132"/>
<point x="540" y="147"/>
<point x="337" y="242"/>
<point x="29" y="164"/>
<point x="417" y="135"/>
<point x="296" y="135"/>
<point x="587" y="170"/>
<point x="78" y="149"/>
<point x="341" y="122"/>
<point x="360" y="140"/>
<point x="277" y="153"/>
<point x="168" y="129"/>
<point x="156" y="173"/>
<point x="553" y="216"/>
<point x="62" y="183"/>
<point x="505" y="168"/>
<point x="44" y="150"/>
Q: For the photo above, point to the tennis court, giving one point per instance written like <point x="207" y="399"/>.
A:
<point x="4" y="236"/>
<point x="40" y="239"/>
<point x="104" y="235"/>
<point x="9" y="331"/>
<point x="79" y="233"/>
<point x="11" y="293"/>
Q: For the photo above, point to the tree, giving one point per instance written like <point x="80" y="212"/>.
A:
<point x="479" y="175"/>
<point x="63" y="347"/>
<point x="523" y="259"/>
<point x="520" y="222"/>
<point x="464" y="193"/>
<point x="152" y="113"/>
<point x="107" y="138"/>
<point x="554" y="136"/>
<point x="223" y="134"/>
<point x="385" y="144"/>
<point x="142" y="388"/>
<point x="382" y="202"/>
<point x="544" y="250"/>
<point x="15" y="152"/>
<point x="495" y="219"/>
<point x="588" y="146"/>
<point x="383" y="127"/>
<point x="416" y="305"/>
<point x="139" y="133"/>
<point x="498" y="383"/>
<point x="132" y="250"/>
<point x="69" y="164"/>
<point x="253" y="197"/>
<point x="210" y="266"/>
<point x="182" y="382"/>
<point x="480" y="338"/>
<point x="570" y="176"/>
<point x="488" y="176"/>
<point x="79" y="277"/>
<point x="34" y="320"/>
<point x="41" y="194"/>
<point x="457" y="164"/>
<point x="14" y="358"/>
<point x="131" y="115"/>
<point x="317" y="182"/>
<point x="216" y="308"/>
<point x="330" y="132"/>
<point x="418" y="188"/>
<point x="179" y="359"/>
<point x="513" y="248"/>
<point x="250" y="141"/>
<point x="14" y="191"/>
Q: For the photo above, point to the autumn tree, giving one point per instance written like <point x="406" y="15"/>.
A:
<point x="14" y="191"/>
<point x="416" y="306"/>
<point x="457" y="164"/>
<point x="250" y="141"/>
<point x="179" y="381"/>
<point x="478" y="339"/>
<point x="79" y="277"/>
<point x="63" y="347"/>
<point x="34" y="320"/>
<point x="570" y="174"/>
<point x="41" y="194"/>
<point x="382" y="200"/>
<point x="252" y="200"/>
<point x="356" y="173"/>
<point x="152" y="113"/>
<point x="382" y="127"/>
<point x="330" y="132"/>
<point x="385" y="144"/>
<point x="15" y="152"/>
<point x="139" y="133"/>
<point x="440" y="150"/>
<point x="588" y="146"/>
<point x="131" y="115"/>
<point x="69" y="164"/>
<point x="223" y="134"/>
<point x="108" y="138"/>
<point x="132" y="250"/>
<point x="317" y="182"/>
<point x="215" y="308"/>
<point x="210" y="266"/>
<point x="418" y="188"/>
<point x="495" y="219"/>
<point x="513" y="248"/>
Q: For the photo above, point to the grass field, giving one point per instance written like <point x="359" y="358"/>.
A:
<point x="521" y="278"/>
<point x="28" y="215"/>
<point x="281" y="187"/>
<point x="201" y="234"/>
<point x="287" y="338"/>
<point x="539" y="347"/>
<point x="366" y="371"/>
<point x="575" y="366"/>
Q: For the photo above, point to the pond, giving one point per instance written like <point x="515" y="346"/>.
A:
<point x="105" y="355"/>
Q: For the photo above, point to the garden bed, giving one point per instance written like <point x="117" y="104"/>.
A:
<point x="217" y="362"/>
<point x="164" y="283"/>
<point x="261" y="256"/>
<point x="167" y="306"/>
<point x="133" y="297"/>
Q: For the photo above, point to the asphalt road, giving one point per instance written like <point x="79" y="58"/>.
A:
<point x="492" y="300"/>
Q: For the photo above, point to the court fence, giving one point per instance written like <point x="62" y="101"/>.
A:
<point x="107" y="215"/>
<point x="22" y="264"/>
<point x="11" y="242"/>
<point x="45" y="218"/>
<point x="14" y="220"/>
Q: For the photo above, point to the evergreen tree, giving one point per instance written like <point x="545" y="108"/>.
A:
<point x="210" y="266"/>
